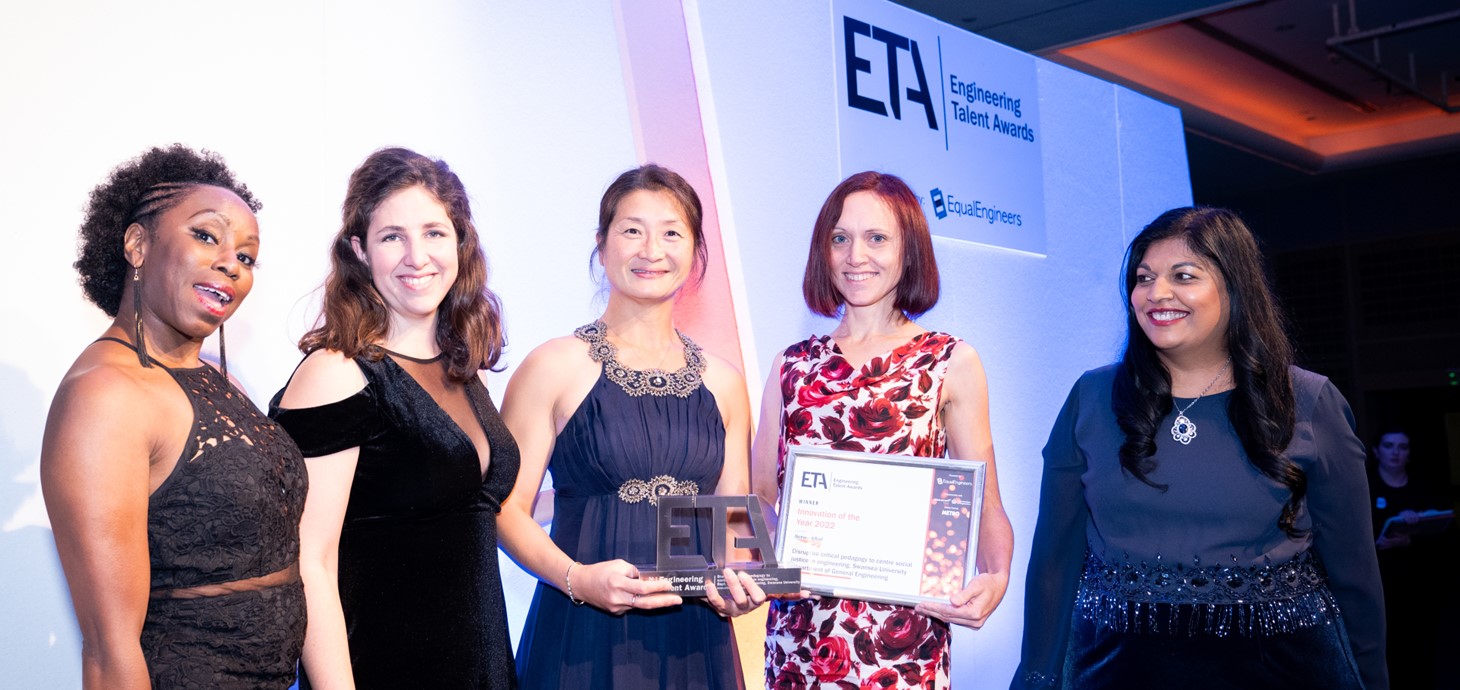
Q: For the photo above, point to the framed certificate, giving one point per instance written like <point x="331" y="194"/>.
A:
<point x="1429" y="522"/>
<point x="888" y="528"/>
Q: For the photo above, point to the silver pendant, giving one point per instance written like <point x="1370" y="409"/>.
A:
<point x="1183" y="429"/>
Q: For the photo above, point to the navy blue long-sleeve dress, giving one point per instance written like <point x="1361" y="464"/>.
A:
<point x="1195" y="586"/>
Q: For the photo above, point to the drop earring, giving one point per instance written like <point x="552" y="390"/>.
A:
<point x="137" y="334"/>
<point x="222" y="351"/>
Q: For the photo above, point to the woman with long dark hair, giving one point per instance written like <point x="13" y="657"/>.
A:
<point x="1201" y="520"/>
<point x="174" y="501"/>
<point x="408" y="459"/>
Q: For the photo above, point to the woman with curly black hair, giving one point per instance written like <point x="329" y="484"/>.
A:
<point x="1202" y="520"/>
<point x="175" y="503"/>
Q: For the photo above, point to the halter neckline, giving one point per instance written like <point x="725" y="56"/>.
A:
<point x="133" y="348"/>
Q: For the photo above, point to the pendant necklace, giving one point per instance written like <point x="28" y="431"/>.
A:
<point x="1184" y="429"/>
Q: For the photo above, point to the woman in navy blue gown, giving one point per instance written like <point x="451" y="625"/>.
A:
<point x="1201" y="516"/>
<point x="623" y="411"/>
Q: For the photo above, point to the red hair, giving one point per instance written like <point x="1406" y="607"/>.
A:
<point x="917" y="291"/>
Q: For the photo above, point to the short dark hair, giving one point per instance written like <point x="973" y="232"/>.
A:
<point x="1387" y="430"/>
<point x="353" y="316"/>
<point x="654" y="178"/>
<point x="137" y="191"/>
<point x="917" y="291"/>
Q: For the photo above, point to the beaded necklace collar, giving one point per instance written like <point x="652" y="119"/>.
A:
<point x="681" y="383"/>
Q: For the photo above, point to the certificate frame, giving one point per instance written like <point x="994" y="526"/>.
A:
<point x="1429" y="522"/>
<point x="845" y="519"/>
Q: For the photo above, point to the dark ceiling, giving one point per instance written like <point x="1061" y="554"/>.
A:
<point x="1272" y="92"/>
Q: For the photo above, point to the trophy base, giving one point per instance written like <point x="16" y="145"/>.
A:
<point x="691" y="582"/>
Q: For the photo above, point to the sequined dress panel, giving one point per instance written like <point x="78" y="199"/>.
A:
<point x="888" y="405"/>
<point x="620" y="434"/>
<point x="228" y="513"/>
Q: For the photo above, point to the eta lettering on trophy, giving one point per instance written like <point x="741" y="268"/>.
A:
<point x="682" y="517"/>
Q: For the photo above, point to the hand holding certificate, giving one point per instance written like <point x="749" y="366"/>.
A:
<point x="887" y="528"/>
<point x="1425" y="522"/>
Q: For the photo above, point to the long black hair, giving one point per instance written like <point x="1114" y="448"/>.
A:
<point x="1262" y="405"/>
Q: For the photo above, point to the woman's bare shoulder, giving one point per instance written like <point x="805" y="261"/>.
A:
<point x="324" y="377"/>
<point x="555" y="364"/>
<point x="108" y="394"/>
<point x="111" y="373"/>
<point x="721" y="372"/>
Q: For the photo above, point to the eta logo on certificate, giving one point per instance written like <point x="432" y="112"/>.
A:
<point x="812" y="480"/>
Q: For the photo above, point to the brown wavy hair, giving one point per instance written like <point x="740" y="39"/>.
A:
<point x="354" y="318"/>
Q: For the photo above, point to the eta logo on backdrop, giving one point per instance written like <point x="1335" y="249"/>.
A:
<point x="895" y="45"/>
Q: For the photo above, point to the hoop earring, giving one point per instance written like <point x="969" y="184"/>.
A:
<point x="137" y="333"/>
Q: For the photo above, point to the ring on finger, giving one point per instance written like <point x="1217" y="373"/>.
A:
<point x="634" y="600"/>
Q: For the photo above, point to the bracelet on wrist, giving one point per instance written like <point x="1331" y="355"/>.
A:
<point x="568" y="584"/>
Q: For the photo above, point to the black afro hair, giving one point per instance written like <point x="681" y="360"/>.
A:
<point x="136" y="192"/>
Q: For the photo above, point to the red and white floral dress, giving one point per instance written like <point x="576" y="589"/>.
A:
<point x="889" y="405"/>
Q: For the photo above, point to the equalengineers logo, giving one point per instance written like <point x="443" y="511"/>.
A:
<point x="945" y="204"/>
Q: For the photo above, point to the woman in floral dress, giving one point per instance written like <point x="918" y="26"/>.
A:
<point x="878" y="383"/>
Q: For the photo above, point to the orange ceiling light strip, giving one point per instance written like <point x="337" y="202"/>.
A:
<point x="1187" y="66"/>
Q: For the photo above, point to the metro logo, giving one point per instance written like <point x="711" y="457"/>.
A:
<point x="854" y="64"/>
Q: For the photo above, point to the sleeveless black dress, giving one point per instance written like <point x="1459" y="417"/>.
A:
<point x="636" y="434"/>
<point x="419" y="582"/>
<point x="226" y="608"/>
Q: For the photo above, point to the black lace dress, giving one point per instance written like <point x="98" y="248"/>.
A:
<point x="419" y="581"/>
<point x="226" y="608"/>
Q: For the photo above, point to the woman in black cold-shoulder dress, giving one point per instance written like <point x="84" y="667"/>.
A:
<point x="408" y="460"/>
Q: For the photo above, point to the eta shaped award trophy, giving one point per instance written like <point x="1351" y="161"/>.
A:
<point x="683" y="518"/>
